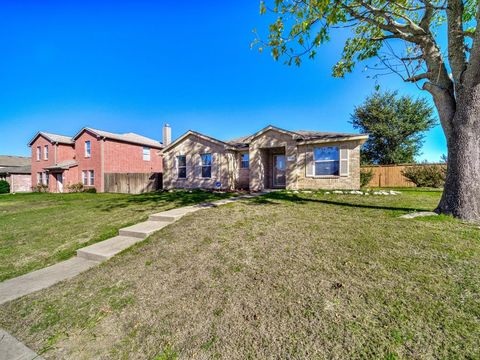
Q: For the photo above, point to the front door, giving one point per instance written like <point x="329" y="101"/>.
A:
<point x="59" y="182"/>
<point x="279" y="169"/>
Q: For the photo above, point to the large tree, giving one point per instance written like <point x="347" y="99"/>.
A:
<point x="395" y="126"/>
<point x="434" y="44"/>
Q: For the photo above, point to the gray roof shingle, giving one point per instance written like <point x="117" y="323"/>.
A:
<point x="10" y="161"/>
<point x="16" y="170"/>
<point x="128" y="137"/>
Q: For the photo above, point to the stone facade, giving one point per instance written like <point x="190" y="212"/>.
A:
<point x="262" y="148"/>
<point x="224" y="164"/>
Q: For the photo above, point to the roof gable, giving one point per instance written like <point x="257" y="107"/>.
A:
<point x="200" y="135"/>
<point x="53" y="138"/>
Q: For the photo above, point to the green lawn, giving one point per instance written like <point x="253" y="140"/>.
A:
<point x="285" y="275"/>
<point x="37" y="230"/>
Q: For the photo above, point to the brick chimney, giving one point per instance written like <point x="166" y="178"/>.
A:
<point x="167" y="135"/>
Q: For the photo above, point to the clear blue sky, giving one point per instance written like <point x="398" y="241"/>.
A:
<point x="130" y="66"/>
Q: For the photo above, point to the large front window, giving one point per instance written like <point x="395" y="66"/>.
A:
<point x="327" y="160"/>
<point x="206" y="165"/>
<point x="182" y="166"/>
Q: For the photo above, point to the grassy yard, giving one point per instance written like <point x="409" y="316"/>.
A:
<point x="282" y="276"/>
<point x="37" y="230"/>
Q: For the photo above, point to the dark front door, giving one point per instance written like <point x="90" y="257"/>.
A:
<point x="279" y="170"/>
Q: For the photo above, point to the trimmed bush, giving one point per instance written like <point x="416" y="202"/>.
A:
<point x="426" y="175"/>
<point x="90" y="190"/>
<point x="75" y="188"/>
<point x="365" y="177"/>
<point x="4" y="187"/>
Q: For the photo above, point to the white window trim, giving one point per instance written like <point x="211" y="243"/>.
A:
<point x="85" y="177"/>
<point x="39" y="153"/>
<point x="325" y="161"/>
<point x="88" y="149"/>
<point x="45" y="152"/>
<point x="146" y="157"/>
<point x="91" y="176"/>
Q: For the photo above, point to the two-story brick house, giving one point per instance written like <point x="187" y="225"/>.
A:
<point x="59" y="161"/>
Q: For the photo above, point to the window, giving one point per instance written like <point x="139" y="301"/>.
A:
<point x="39" y="153"/>
<point x="45" y="153"/>
<point x="206" y="165"/>
<point x="244" y="164"/>
<point x="39" y="178"/>
<point x="182" y="166"/>
<point x="88" y="177"/>
<point x="327" y="160"/>
<point x="46" y="179"/>
<point x="146" y="153"/>
<point x="87" y="149"/>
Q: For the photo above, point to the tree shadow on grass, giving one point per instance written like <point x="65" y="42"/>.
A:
<point x="268" y="199"/>
<point x="178" y="198"/>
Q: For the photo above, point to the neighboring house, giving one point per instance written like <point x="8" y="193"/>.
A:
<point x="270" y="158"/>
<point x="92" y="156"/>
<point x="16" y="170"/>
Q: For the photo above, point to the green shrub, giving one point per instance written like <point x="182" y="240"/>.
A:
<point x="90" y="190"/>
<point x="4" y="187"/>
<point x="365" y="177"/>
<point x="426" y="175"/>
<point x="75" y="188"/>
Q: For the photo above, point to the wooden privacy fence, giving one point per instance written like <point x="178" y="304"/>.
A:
<point x="390" y="175"/>
<point x="132" y="183"/>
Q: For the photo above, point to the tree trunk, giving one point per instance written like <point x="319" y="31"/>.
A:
<point x="461" y="196"/>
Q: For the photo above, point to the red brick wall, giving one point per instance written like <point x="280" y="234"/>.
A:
<point x="37" y="166"/>
<point x="128" y="158"/>
<point x="94" y="162"/>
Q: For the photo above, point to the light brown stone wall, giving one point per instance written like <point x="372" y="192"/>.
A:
<point x="260" y="159"/>
<point x="223" y="165"/>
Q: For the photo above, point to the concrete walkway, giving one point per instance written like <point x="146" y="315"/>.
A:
<point x="12" y="349"/>
<point x="92" y="255"/>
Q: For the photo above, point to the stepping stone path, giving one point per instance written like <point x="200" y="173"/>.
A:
<point x="418" y="214"/>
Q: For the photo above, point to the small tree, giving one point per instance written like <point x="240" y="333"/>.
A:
<point x="395" y="126"/>
<point x="4" y="187"/>
<point x="365" y="177"/>
<point x="425" y="175"/>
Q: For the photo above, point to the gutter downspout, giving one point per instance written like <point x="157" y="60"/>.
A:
<point x="102" y="165"/>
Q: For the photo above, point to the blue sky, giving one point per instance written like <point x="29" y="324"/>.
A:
<point x="130" y="66"/>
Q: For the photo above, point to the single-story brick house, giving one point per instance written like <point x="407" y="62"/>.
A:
<point x="16" y="171"/>
<point x="270" y="158"/>
<point x="90" y="157"/>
